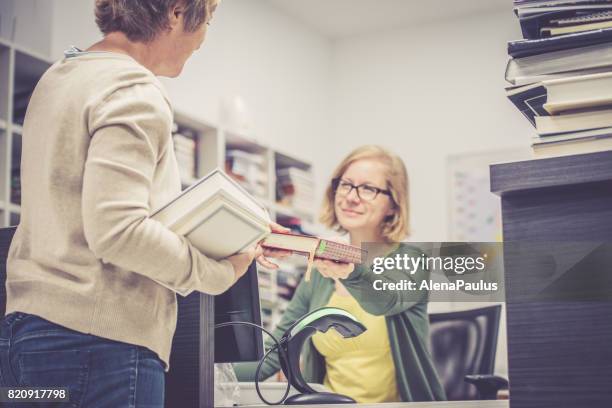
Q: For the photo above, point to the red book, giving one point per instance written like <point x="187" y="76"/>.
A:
<point x="322" y="248"/>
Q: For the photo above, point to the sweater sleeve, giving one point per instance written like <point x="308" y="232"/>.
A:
<point x="129" y="131"/>
<point x="360" y="283"/>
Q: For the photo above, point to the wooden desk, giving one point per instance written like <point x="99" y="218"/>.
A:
<point x="449" y="404"/>
<point x="559" y="336"/>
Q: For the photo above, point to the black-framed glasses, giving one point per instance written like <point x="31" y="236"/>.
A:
<point x="365" y="192"/>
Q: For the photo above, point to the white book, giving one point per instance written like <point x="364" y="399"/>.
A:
<point x="584" y="58"/>
<point x="572" y="147"/>
<point x="549" y="125"/>
<point x="573" y="136"/>
<point x="217" y="216"/>
<point x="578" y="92"/>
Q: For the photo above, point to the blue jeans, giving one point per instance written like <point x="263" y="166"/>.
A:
<point x="97" y="372"/>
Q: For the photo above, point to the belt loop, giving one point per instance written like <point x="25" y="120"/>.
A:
<point x="6" y="332"/>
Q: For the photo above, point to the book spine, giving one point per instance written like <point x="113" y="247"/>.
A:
<point x="526" y="48"/>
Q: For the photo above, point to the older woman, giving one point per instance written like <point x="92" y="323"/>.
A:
<point x="85" y="312"/>
<point x="368" y="199"/>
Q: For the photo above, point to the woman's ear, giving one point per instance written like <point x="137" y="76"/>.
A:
<point x="176" y="14"/>
<point x="390" y="216"/>
<point x="391" y="211"/>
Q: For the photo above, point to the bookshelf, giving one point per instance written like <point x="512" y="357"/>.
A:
<point x="200" y="146"/>
<point x="20" y="70"/>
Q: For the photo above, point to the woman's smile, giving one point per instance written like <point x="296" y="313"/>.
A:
<point x="351" y="213"/>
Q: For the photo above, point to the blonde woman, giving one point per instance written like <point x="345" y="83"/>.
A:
<point x="367" y="198"/>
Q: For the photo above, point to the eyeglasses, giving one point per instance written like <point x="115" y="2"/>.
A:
<point x="364" y="191"/>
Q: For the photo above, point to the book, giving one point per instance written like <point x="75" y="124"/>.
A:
<point x="529" y="100"/>
<point x="530" y="80"/>
<point x="578" y="92"/>
<point x="572" y="147"/>
<point x="574" y="136"/>
<point x="551" y="97"/>
<point x="550" y="125"/>
<point x="295" y="188"/>
<point x="533" y="18"/>
<point x="526" y="48"/>
<point x="315" y="248"/>
<point x="248" y="169"/>
<point x="582" y="19"/>
<point x="217" y="216"/>
<point x="570" y="9"/>
<point x="540" y="3"/>
<point x="554" y="31"/>
<point x="324" y="248"/>
<point x="575" y="59"/>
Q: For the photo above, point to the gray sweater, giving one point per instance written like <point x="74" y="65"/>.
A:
<point x="97" y="160"/>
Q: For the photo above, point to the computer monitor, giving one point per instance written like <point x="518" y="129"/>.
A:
<point x="239" y="304"/>
<point x="190" y="379"/>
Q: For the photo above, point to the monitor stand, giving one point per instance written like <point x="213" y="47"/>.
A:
<point x="318" y="398"/>
<point x="190" y="381"/>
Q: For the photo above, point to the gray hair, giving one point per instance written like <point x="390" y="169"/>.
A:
<point x="143" y="20"/>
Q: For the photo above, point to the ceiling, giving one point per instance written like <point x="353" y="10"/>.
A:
<point x="338" y="19"/>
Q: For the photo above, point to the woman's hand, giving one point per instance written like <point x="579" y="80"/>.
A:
<point x="241" y="261"/>
<point x="273" y="253"/>
<point x="332" y="269"/>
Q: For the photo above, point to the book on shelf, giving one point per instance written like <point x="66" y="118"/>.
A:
<point x="295" y="188"/>
<point x="248" y="169"/>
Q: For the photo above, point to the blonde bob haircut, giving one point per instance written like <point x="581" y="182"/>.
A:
<point x="395" y="227"/>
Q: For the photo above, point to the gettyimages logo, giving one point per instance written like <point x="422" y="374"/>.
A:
<point x="439" y="271"/>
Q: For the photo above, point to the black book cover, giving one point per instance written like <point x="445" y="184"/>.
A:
<point x="529" y="102"/>
<point x="532" y="24"/>
<point x="526" y="48"/>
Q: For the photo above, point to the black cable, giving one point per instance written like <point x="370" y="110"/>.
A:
<point x="281" y="353"/>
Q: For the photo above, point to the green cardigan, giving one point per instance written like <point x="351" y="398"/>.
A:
<point x="407" y="326"/>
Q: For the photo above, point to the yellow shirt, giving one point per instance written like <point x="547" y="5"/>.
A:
<point x="361" y="367"/>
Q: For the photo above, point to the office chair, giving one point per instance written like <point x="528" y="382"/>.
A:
<point x="6" y="235"/>
<point x="463" y="346"/>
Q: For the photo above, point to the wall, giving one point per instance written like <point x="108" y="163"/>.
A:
<point x="17" y="17"/>
<point x="427" y="92"/>
<point x="280" y="69"/>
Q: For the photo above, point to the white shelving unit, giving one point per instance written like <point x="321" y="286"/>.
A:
<point x="20" y="71"/>
<point x="213" y="147"/>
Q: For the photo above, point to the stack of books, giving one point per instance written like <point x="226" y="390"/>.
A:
<point x="561" y="74"/>
<point x="295" y="188"/>
<point x="185" y="150"/>
<point x="249" y="170"/>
